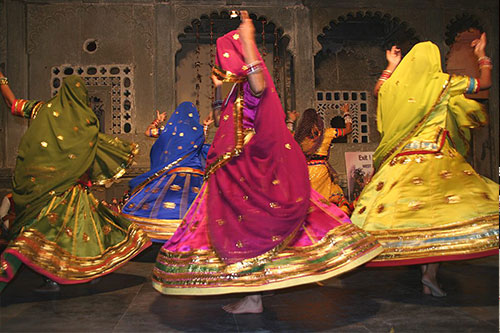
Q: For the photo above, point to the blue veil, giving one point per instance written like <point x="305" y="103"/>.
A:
<point x="179" y="145"/>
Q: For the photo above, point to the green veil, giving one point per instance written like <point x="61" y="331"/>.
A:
<point x="57" y="149"/>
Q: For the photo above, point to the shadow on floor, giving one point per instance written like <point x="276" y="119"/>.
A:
<point x="300" y="309"/>
<point x="21" y="290"/>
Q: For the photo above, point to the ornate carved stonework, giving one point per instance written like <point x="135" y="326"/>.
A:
<point x="329" y="104"/>
<point x="375" y="28"/>
<point x="117" y="79"/>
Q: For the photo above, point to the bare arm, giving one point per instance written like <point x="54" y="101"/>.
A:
<point x="250" y="53"/>
<point x="7" y="94"/>
<point x="393" y="57"/>
<point x="484" y="62"/>
<point x="347" y="119"/>
<point x="348" y="128"/>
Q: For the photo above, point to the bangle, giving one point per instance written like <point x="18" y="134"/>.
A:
<point x="386" y="74"/>
<point x="485" y="62"/>
<point x="156" y="122"/>
<point x="253" y="67"/>
<point x="4" y="81"/>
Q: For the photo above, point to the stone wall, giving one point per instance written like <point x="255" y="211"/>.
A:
<point x="38" y="35"/>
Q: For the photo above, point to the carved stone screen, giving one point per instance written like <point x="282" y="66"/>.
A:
<point x="111" y="93"/>
<point x="329" y="105"/>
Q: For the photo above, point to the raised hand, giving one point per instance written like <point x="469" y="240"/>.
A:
<point x="208" y="120"/>
<point x="246" y="28"/>
<point x="161" y="116"/>
<point x="393" y="55"/>
<point x="479" y="45"/>
<point x="345" y="108"/>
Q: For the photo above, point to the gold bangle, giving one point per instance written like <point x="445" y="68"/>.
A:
<point x="483" y="58"/>
<point x="4" y="81"/>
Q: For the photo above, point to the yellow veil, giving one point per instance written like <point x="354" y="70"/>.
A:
<point x="410" y="95"/>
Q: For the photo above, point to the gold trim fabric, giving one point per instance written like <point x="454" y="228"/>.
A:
<point x="201" y="272"/>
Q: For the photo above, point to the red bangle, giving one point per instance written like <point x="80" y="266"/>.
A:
<point x="17" y="107"/>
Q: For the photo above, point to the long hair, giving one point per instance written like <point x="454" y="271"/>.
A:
<point x="310" y="132"/>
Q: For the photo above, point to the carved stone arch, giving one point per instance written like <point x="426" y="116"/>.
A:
<point x="204" y="30"/>
<point x="222" y="16"/>
<point x="460" y="59"/>
<point x="348" y="63"/>
<point x="459" y="24"/>
<point x="376" y="28"/>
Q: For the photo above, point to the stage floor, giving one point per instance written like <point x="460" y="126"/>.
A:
<point x="364" y="300"/>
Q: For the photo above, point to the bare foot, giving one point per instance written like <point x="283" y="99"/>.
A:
<point x="249" y="304"/>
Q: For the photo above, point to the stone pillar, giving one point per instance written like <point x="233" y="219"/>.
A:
<point x="302" y="51"/>
<point x="165" y="58"/>
<point x="17" y="71"/>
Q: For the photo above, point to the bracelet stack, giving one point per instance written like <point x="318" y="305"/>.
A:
<point x="217" y="105"/>
<point x="485" y="62"/>
<point x="156" y="123"/>
<point x="386" y="74"/>
<point x="253" y="67"/>
<point x="4" y="81"/>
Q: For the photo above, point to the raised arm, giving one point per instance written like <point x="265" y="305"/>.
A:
<point x="250" y="53"/>
<point x="347" y="119"/>
<point x="485" y="65"/>
<point x="7" y="94"/>
<point x="152" y="129"/>
<point x="393" y="57"/>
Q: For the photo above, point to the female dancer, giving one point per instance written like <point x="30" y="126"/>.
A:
<point x="161" y="196"/>
<point x="255" y="225"/>
<point x="62" y="231"/>
<point x="425" y="203"/>
<point x="315" y="142"/>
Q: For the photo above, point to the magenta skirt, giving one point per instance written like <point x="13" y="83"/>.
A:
<point x="326" y="244"/>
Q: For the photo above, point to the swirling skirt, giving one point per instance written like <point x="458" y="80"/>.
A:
<point x="326" y="245"/>
<point x="428" y="208"/>
<point x="159" y="205"/>
<point x="74" y="239"/>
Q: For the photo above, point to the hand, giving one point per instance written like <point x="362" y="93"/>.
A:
<point x="161" y="116"/>
<point x="216" y="81"/>
<point x="292" y="116"/>
<point x="393" y="55"/>
<point x="246" y="28"/>
<point x="208" y="120"/>
<point x="345" y="108"/>
<point x="479" y="45"/>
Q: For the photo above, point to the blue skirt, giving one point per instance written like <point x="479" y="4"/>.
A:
<point x="159" y="205"/>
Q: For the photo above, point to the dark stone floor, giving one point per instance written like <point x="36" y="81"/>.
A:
<point x="365" y="300"/>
